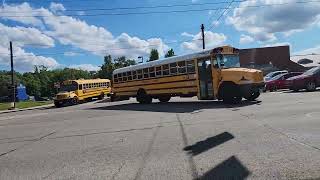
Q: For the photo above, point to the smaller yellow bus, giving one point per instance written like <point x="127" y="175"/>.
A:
<point x="74" y="91"/>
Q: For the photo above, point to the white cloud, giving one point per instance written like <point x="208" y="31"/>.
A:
<point x="22" y="36"/>
<point x="24" y="61"/>
<point x="86" y="67"/>
<point x="187" y="34"/>
<point x="211" y="39"/>
<point x="55" y="7"/>
<point x="79" y="34"/>
<point x="277" y="44"/>
<point x="245" y="39"/>
<point x="262" y="23"/>
<point x="70" y="53"/>
<point x="23" y="13"/>
<point x="310" y="53"/>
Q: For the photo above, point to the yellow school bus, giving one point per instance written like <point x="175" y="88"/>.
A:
<point x="74" y="91"/>
<point x="210" y="74"/>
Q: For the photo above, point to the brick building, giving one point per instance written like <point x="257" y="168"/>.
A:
<point x="269" y="59"/>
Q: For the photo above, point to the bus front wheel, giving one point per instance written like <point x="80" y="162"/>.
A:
<point x="252" y="95"/>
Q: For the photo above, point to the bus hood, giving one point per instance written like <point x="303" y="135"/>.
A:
<point x="242" y="75"/>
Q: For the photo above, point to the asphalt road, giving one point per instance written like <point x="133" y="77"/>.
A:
<point x="277" y="137"/>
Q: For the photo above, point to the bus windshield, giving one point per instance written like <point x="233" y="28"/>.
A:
<point x="229" y="61"/>
<point x="68" y="87"/>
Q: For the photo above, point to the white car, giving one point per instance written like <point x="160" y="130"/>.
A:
<point x="273" y="74"/>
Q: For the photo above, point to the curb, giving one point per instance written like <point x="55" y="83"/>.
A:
<point x="27" y="109"/>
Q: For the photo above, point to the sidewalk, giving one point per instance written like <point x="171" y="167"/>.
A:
<point x="26" y="109"/>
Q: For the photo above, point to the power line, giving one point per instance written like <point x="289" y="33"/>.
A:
<point x="163" y="12"/>
<point x="222" y="14"/>
<point x="137" y="7"/>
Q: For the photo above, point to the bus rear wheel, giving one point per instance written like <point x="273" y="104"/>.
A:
<point x="164" y="99"/>
<point x="143" y="97"/>
<point x="101" y="96"/>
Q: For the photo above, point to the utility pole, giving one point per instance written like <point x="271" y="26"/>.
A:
<point x="202" y="32"/>
<point x="13" y="102"/>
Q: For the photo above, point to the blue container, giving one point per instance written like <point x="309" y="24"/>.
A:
<point x="22" y="93"/>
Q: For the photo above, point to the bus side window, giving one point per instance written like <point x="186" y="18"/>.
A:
<point x="120" y="77"/>
<point x="139" y="72"/>
<point x="151" y="72"/>
<point x="158" y="71"/>
<point x="129" y="76"/>
<point x="165" y="70"/>
<point x="80" y="86"/>
<point x="145" y="73"/>
<point x="124" y="77"/>
<point x="182" y="67"/>
<point x="108" y="84"/>
<point x="191" y="66"/>
<point x="173" y="68"/>
<point x="134" y="75"/>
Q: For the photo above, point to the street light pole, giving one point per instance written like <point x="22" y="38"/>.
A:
<point x="13" y="102"/>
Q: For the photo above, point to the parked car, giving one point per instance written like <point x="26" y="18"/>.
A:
<point x="279" y="81"/>
<point x="309" y="80"/>
<point x="271" y="75"/>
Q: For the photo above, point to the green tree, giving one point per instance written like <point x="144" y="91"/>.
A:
<point x="110" y="65"/>
<point x="170" y="53"/>
<point x="154" y="55"/>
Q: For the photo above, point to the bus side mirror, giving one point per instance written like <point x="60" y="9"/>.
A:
<point x="215" y="64"/>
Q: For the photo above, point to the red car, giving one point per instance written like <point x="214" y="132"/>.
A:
<point x="309" y="80"/>
<point x="279" y="81"/>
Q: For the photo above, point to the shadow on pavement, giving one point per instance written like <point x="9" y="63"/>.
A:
<point x="209" y="143"/>
<point x="175" y="107"/>
<point x="300" y="91"/>
<point x="231" y="168"/>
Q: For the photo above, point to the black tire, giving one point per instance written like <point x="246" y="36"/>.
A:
<point x="101" y="96"/>
<point x="143" y="97"/>
<point x="57" y="104"/>
<point x="253" y="96"/>
<point x="74" y="101"/>
<point x="164" y="99"/>
<point x="231" y="94"/>
<point x="311" y="86"/>
<point x="295" y="90"/>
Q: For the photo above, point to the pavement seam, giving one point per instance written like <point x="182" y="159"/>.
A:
<point x="291" y="138"/>
<point x="36" y="140"/>
<point x="147" y="153"/>
<point x="193" y="168"/>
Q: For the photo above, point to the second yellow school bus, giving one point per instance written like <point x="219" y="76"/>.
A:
<point x="210" y="74"/>
<point x="73" y="91"/>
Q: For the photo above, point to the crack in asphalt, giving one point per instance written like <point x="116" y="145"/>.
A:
<point x="35" y="140"/>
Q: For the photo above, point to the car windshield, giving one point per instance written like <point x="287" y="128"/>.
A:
<point x="312" y="71"/>
<point x="229" y="61"/>
<point x="277" y="77"/>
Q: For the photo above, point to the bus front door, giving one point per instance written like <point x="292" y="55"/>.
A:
<point x="205" y="79"/>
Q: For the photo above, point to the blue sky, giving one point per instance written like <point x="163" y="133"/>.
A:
<point x="59" y="34"/>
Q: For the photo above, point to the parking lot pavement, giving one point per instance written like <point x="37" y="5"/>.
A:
<point x="277" y="137"/>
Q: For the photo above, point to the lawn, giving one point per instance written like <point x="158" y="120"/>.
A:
<point x="24" y="104"/>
